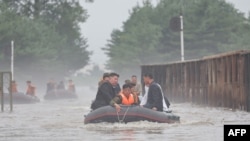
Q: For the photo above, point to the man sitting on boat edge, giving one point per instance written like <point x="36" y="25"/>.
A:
<point x="155" y="99"/>
<point x="125" y="98"/>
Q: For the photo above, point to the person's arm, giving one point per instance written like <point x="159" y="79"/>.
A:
<point x="140" y="89"/>
<point x="137" y="100"/>
<point x="115" y="101"/>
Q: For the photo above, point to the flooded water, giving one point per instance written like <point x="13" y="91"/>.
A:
<point x="62" y="120"/>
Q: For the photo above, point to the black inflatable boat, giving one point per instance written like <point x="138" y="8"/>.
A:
<point x="20" y="98"/>
<point x="129" y="114"/>
<point x="60" y="94"/>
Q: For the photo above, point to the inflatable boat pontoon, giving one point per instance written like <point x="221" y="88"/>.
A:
<point x="20" y="98"/>
<point x="129" y="114"/>
<point x="60" y="94"/>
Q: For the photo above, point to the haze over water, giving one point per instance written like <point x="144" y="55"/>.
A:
<point x="62" y="120"/>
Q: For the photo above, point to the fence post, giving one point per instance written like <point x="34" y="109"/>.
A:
<point x="11" y="94"/>
<point x="1" y="92"/>
<point x="2" y="82"/>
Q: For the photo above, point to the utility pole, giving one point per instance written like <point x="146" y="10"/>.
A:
<point x="176" y="25"/>
<point x="182" y="32"/>
<point x="12" y="60"/>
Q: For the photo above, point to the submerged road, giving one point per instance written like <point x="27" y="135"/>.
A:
<point x="62" y="120"/>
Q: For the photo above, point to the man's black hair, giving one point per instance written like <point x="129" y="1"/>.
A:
<point x="127" y="81"/>
<point x="113" y="74"/>
<point x="124" y="86"/>
<point x="133" y="76"/>
<point x="148" y="75"/>
<point x="106" y="74"/>
<point x="131" y="84"/>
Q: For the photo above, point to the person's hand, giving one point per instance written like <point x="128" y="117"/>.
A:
<point x="117" y="107"/>
<point x="154" y="108"/>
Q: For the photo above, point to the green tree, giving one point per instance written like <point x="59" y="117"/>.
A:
<point x="64" y="17"/>
<point x="207" y="26"/>
<point x="138" y="39"/>
<point x="36" y="45"/>
<point x="46" y="34"/>
<point x="210" y="27"/>
<point x="241" y="40"/>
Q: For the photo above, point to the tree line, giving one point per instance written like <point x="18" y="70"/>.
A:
<point x="48" y="40"/>
<point x="47" y="37"/>
<point x="210" y="27"/>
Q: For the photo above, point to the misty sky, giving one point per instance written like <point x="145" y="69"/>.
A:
<point x="106" y="15"/>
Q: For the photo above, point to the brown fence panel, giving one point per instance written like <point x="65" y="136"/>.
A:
<point x="245" y="79"/>
<point x="221" y="80"/>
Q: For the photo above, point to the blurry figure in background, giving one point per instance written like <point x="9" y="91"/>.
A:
<point x="71" y="86"/>
<point x="125" y="97"/>
<point x="127" y="81"/>
<point x="13" y="87"/>
<point x="30" y="89"/>
<point x="105" y="92"/>
<point x="117" y="87"/>
<point x="136" y="97"/>
<point x="138" y="88"/>
<point x="51" y="85"/>
<point x="105" y="78"/>
<point x="60" y="86"/>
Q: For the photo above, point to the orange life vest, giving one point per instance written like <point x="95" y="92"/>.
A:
<point x="71" y="87"/>
<point x="127" y="101"/>
<point x="31" y="90"/>
<point x="14" y="88"/>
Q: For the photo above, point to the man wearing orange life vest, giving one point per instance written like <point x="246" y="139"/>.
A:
<point x="30" y="89"/>
<point x="125" y="97"/>
<point x="13" y="87"/>
<point x="71" y="86"/>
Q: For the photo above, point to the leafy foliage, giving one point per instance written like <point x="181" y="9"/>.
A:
<point x="210" y="27"/>
<point x="47" y="36"/>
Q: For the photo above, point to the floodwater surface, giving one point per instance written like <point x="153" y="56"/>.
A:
<point x="62" y="120"/>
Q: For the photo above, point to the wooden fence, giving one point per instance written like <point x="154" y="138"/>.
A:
<point x="221" y="80"/>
